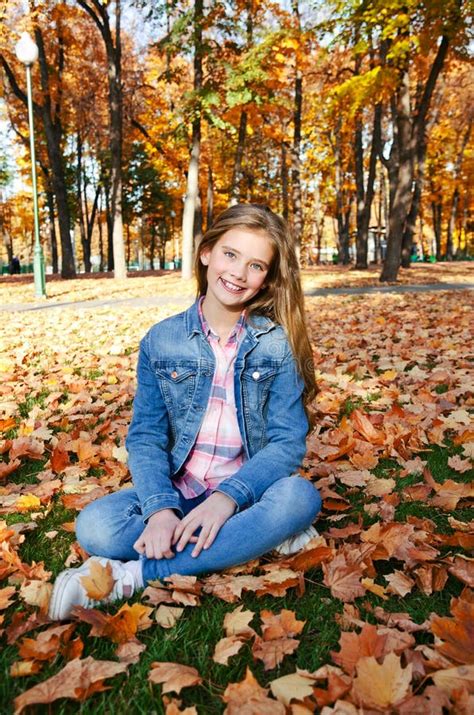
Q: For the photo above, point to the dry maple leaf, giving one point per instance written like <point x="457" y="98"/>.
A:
<point x="6" y="468"/>
<point x="26" y="447"/>
<point x="237" y="622"/>
<point x="46" y="645"/>
<point x="73" y="681"/>
<point x="343" y="578"/>
<point x="457" y="633"/>
<point x="381" y="685"/>
<point x="167" y="616"/>
<point x="226" y="648"/>
<point x="130" y="652"/>
<point x="174" y="676"/>
<point x="272" y="652"/>
<point x="452" y="679"/>
<point x="353" y="647"/>
<point x="463" y="568"/>
<point x="173" y="707"/>
<point x="295" y="686"/>
<point x="21" y="668"/>
<point x="100" y="581"/>
<point x="399" y="583"/>
<point x="36" y="593"/>
<point x="5" y="596"/>
<point x="280" y="625"/>
<point x="249" y="698"/>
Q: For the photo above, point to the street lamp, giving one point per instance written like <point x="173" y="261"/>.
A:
<point x="27" y="52"/>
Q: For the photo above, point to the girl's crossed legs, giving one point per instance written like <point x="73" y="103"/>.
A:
<point x="110" y="526"/>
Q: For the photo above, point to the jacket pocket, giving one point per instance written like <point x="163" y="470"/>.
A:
<point x="256" y="384"/>
<point x="177" y="382"/>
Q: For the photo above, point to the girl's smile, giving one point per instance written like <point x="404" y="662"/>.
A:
<point x="237" y="267"/>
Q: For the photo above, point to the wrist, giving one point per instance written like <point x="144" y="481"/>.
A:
<point x="161" y="515"/>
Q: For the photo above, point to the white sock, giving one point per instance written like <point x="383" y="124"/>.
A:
<point x="135" y="569"/>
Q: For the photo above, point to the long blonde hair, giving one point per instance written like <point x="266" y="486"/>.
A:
<point x="281" y="299"/>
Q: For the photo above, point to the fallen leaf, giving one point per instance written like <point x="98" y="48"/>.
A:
<point x="20" y="668"/>
<point x="99" y="583"/>
<point x="5" y="596"/>
<point x="226" y="648"/>
<point x="237" y="622"/>
<point x="399" y="583"/>
<point x="456" y="634"/>
<point x="295" y="686"/>
<point x="463" y="568"/>
<point x="7" y="468"/>
<point x="249" y="698"/>
<point x="36" y="593"/>
<point x="174" y="676"/>
<point x="167" y="616"/>
<point x="452" y="679"/>
<point x="272" y="652"/>
<point x="130" y="652"/>
<point x="381" y="685"/>
<point x="73" y="681"/>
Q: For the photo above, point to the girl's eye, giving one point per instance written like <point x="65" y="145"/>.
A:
<point x="257" y="266"/>
<point x="231" y="254"/>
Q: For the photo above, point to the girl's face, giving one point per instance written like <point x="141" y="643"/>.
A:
<point x="237" y="266"/>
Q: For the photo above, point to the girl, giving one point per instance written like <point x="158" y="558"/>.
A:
<point x="219" y="422"/>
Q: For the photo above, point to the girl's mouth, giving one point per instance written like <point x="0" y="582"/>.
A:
<point x="231" y="287"/>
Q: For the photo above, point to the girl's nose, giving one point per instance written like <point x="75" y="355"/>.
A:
<point x="239" y="271"/>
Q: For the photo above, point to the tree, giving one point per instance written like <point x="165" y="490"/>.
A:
<point x="99" y="12"/>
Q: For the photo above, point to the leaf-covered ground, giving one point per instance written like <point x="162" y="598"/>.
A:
<point x="375" y="616"/>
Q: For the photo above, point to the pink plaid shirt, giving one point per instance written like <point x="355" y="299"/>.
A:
<point x="218" y="451"/>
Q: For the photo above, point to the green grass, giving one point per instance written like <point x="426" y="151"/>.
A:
<point x="193" y="639"/>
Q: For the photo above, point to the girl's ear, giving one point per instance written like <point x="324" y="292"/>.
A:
<point x="204" y="256"/>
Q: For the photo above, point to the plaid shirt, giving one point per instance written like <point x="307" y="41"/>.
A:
<point x="218" y="451"/>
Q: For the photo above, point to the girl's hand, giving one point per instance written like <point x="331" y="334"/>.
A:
<point x="156" y="539"/>
<point x="210" y="516"/>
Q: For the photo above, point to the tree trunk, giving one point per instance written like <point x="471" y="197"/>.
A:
<point x="210" y="198"/>
<point x="52" y="229"/>
<point x="112" y="41"/>
<point x="365" y="193"/>
<point x="239" y="153"/>
<point x="437" y="209"/>
<point x="284" y="180"/>
<point x="409" y="136"/>
<point x="192" y="185"/>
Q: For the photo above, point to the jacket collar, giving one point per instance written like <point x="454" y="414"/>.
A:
<point x="255" y="325"/>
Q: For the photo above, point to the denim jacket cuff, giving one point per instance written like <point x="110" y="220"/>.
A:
<point x="159" y="502"/>
<point x="237" y="491"/>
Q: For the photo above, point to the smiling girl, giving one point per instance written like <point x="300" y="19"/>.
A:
<point x="219" y="423"/>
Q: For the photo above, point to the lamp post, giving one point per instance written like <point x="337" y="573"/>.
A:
<point x="27" y="52"/>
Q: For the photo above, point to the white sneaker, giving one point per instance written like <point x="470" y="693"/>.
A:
<point x="297" y="542"/>
<point x="68" y="590"/>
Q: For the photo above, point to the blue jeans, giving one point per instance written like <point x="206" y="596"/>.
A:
<point x="111" y="525"/>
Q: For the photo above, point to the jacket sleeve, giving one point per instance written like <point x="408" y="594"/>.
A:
<point x="147" y="442"/>
<point x="286" y="429"/>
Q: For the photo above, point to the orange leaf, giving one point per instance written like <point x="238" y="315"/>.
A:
<point x="356" y="646"/>
<point x="272" y="652"/>
<point x="25" y="667"/>
<point x="26" y="447"/>
<point x="59" y="460"/>
<point x="456" y="634"/>
<point x="248" y="696"/>
<point x="46" y="645"/>
<point x="453" y="679"/>
<point x="130" y="652"/>
<point x="73" y="681"/>
<point x="100" y="581"/>
<point x="381" y="686"/>
<point x="5" y="595"/>
<point x="226" y="648"/>
<point x="7" y="468"/>
<point x="280" y="625"/>
<point x="463" y="568"/>
<point x="174" y="676"/>
<point x="343" y="578"/>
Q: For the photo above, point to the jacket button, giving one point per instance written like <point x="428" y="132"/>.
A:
<point x="256" y="375"/>
<point x="174" y="374"/>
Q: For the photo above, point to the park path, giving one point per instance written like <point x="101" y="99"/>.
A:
<point x="147" y="301"/>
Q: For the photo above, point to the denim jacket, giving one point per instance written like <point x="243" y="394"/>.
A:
<point x="175" y="370"/>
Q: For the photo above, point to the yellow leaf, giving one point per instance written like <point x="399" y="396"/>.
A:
<point x="27" y="502"/>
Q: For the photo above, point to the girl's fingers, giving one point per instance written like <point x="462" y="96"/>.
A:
<point x="212" y="535"/>
<point x="201" y="541"/>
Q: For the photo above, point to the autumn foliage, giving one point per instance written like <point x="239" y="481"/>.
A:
<point x="396" y="530"/>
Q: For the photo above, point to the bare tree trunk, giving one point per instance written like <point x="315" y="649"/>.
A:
<point x="410" y="134"/>
<point x="284" y="180"/>
<point x="365" y="193"/>
<point x="210" y="198"/>
<point x="296" y="193"/>
<point x="192" y="184"/>
<point x="98" y="11"/>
